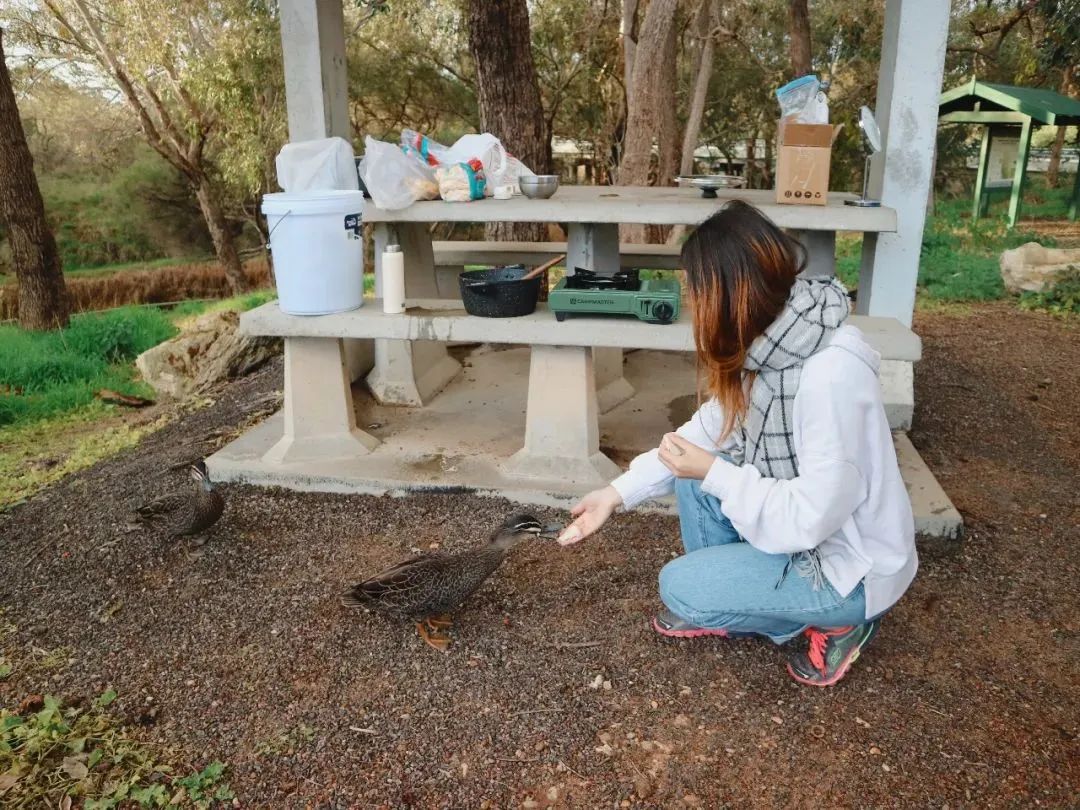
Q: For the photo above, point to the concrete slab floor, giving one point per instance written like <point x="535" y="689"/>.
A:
<point x="461" y="438"/>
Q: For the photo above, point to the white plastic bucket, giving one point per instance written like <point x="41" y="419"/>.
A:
<point x="317" y="241"/>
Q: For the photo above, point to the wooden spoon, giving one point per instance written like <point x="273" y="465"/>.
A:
<point x="545" y="266"/>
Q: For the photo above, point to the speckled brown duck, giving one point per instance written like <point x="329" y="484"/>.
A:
<point x="425" y="589"/>
<point x="183" y="514"/>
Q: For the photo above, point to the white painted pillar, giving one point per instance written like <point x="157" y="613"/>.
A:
<point x="909" y="85"/>
<point x="316" y="82"/>
<point x="317" y="99"/>
<point x="595" y="247"/>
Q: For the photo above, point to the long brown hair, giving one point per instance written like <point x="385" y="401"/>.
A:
<point x="739" y="268"/>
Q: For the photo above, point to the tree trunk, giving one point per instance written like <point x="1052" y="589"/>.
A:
<point x="703" y="72"/>
<point x="645" y="98"/>
<point x="667" y="136"/>
<point x="509" y="94"/>
<point x="1053" y="168"/>
<point x="629" y="43"/>
<point x="221" y="235"/>
<point x="799" y="34"/>
<point x="43" y="297"/>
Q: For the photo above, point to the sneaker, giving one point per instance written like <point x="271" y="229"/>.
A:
<point x="668" y="624"/>
<point x="830" y="653"/>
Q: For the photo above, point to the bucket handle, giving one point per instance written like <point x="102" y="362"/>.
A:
<point x="275" y="227"/>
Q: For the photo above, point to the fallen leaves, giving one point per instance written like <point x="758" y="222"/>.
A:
<point x="75" y="767"/>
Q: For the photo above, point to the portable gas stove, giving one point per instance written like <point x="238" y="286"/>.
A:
<point x="588" y="293"/>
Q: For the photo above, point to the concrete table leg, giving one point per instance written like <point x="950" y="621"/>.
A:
<point x="562" y="434"/>
<point x="319" y="419"/>
<point x="595" y="247"/>
<point x="820" y="253"/>
<point x="612" y="388"/>
<point x="406" y="372"/>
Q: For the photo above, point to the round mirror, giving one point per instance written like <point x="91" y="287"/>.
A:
<point x="870" y="130"/>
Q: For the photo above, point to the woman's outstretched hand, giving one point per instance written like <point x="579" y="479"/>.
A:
<point x="590" y="514"/>
<point x="685" y="460"/>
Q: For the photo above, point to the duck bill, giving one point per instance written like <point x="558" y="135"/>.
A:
<point x="551" y="531"/>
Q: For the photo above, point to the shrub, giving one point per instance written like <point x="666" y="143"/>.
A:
<point x="1063" y="297"/>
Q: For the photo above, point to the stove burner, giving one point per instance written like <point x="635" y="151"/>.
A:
<point x="583" y="279"/>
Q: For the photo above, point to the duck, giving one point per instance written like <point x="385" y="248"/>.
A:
<point x="183" y="514"/>
<point x="427" y="588"/>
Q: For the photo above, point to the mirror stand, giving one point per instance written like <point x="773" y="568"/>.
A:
<point x="864" y="201"/>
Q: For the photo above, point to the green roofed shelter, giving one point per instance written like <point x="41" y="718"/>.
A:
<point x="1002" y="110"/>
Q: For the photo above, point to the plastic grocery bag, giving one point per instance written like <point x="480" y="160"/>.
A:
<point x="393" y="178"/>
<point x="500" y="167"/>
<point x="326" y="163"/>
<point x="461" y="182"/>
<point x="431" y="152"/>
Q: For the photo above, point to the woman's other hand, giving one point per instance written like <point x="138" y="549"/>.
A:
<point x="685" y="460"/>
<point x="590" y="514"/>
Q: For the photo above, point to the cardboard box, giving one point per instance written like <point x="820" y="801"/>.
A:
<point x="804" y="152"/>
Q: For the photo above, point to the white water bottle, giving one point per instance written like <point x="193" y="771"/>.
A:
<point x="393" y="280"/>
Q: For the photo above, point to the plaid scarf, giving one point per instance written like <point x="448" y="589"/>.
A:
<point x="814" y="310"/>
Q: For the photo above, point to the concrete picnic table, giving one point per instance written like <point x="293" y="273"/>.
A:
<point x="574" y="365"/>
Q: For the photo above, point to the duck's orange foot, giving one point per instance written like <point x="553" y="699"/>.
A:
<point x="432" y="636"/>
<point x="442" y="620"/>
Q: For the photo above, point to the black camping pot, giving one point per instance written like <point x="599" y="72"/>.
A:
<point x="499" y="292"/>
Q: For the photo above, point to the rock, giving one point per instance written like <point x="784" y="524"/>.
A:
<point x="1032" y="267"/>
<point x="206" y="352"/>
<point x="643" y="787"/>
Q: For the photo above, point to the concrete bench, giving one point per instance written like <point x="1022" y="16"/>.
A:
<point x="446" y="321"/>
<point x="562" y="416"/>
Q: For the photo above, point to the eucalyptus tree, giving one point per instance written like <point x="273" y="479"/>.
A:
<point x="203" y="79"/>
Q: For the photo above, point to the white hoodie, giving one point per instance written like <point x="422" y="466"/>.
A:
<point x="848" y="500"/>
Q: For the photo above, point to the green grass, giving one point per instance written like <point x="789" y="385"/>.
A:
<point x="960" y="258"/>
<point x="240" y="303"/>
<point x="46" y="373"/>
<point x="51" y="424"/>
<point x="1039" y="202"/>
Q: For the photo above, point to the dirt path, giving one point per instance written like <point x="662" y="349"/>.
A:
<point x="969" y="697"/>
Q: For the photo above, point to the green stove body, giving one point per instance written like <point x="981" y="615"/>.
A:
<point x="586" y="293"/>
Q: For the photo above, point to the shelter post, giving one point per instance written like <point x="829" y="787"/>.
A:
<point x="317" y="99"/>
<point x="977" y="209"/>
<point x="1020" y="172"/>
<point x="1075" y="204"/>
<point x="909" y="86"/>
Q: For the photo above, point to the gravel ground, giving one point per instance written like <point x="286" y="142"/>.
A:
<point x="555" y="692"/>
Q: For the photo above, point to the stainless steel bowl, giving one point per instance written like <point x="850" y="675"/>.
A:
<point x="540" y="187"/>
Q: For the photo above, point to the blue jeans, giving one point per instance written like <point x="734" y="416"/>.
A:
<point x="724" y="582"/>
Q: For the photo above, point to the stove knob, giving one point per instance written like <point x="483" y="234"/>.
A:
<point x="663" y="311"/>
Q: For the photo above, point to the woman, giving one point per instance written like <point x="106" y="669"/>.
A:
<point x="794" y="517"/>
